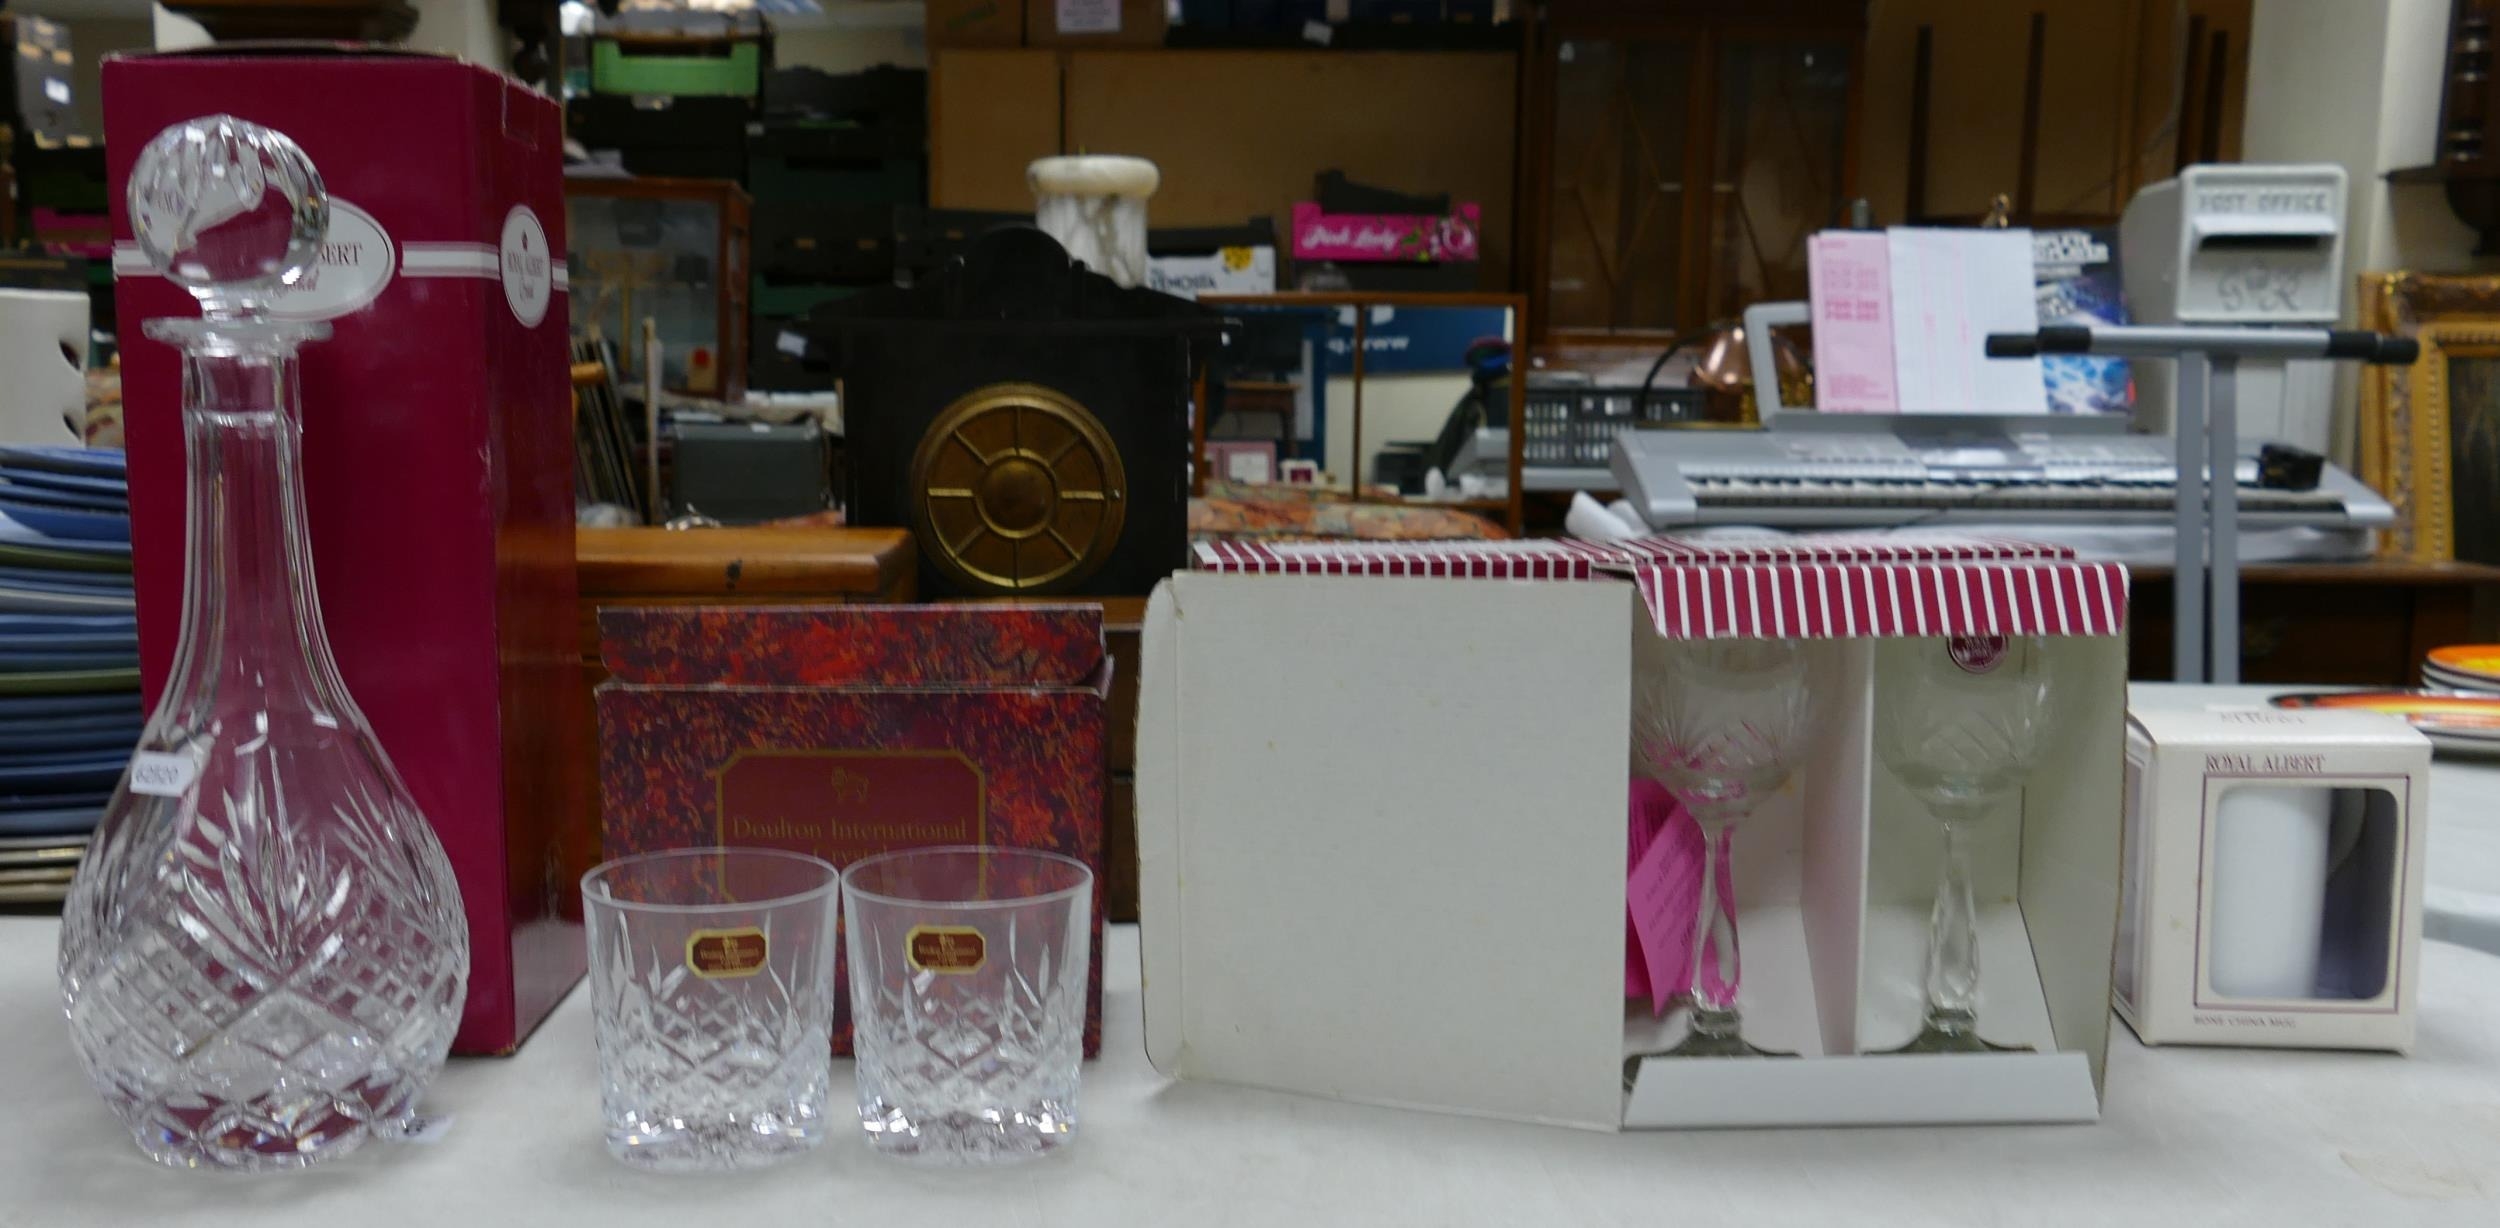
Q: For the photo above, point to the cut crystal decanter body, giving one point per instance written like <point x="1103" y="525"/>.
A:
<point x="264" y="955"/>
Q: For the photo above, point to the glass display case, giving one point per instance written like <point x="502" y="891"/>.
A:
<point x="1686" y="152"/>
<point x="672" y="250"/>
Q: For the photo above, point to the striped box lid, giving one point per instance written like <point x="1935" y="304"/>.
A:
<point x="1837" y="547"/>
<point x="1829" y="586"/>
<point x="1534" y="559"/>
<point x="1571" y="558"/>
<point x="1566" y="558"/>
<point x="1850" y="599"/>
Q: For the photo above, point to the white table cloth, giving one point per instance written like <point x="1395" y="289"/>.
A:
<point x="2209" y="1137"/>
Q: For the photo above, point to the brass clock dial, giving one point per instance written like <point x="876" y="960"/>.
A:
<point x="1017" y="488"/>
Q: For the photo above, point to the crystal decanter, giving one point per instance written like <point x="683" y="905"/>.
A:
<point x="264" y="954"/>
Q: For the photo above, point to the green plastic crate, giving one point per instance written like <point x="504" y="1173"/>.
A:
<point x="739" y="74"/>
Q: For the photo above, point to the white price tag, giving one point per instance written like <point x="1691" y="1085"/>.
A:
<point x="158" y="774"/>
<point x="792" y="344"/>
<point x="422" y="1129"/>
<point x="57" y="90"/>
<point x="1318" y="32"/>
<point x="1089" y="16"/>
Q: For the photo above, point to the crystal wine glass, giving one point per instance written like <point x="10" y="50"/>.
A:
<point x="1720" y="724"/>
<point x="1962" y="721"/>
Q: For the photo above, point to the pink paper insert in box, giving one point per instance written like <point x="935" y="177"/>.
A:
<point x="1387" y="237"/>
<point x="1659" y="892"/>
<point x="1850" y="291"/>
<point x="437" y="453"/>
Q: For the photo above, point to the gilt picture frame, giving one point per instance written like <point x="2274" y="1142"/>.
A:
<point x="2430" y="433"/>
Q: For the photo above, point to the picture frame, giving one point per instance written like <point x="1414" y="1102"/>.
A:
<point x="2430" y="433"/>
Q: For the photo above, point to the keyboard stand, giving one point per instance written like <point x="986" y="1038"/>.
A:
<point x="2207" y="613"/>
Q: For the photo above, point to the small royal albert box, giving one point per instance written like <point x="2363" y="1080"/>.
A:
<point x="846" y="731"/>
<point x="2274" y="876"/>
<point x="1382" y="828"/>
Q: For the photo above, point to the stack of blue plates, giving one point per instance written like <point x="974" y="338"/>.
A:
<point x="69" y="659"/>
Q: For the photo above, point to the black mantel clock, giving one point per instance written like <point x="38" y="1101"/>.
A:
<point x="1025" y="417"/>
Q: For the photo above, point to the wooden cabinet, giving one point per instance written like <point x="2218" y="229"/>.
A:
<point x="1237" y="134"/>
<point x="1680" y="154"/>
<point x="2067" y="106"/>
<point x="991" y="113"/>
<point x="1242" y="134"/>
<point x="2325" y="624"/>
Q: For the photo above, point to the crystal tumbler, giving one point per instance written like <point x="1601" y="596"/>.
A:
<point x="968" y="971"/>
<point x="711" y="976"/>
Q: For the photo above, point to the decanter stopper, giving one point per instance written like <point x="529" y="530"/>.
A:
<point x="200" y="206"/>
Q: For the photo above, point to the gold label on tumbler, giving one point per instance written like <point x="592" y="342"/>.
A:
<point x="725" y="954"/>
<point x="946" y="948"/>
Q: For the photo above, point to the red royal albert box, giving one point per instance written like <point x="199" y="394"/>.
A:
<point x="438" y="459"/>
<point x="845" y="731"/>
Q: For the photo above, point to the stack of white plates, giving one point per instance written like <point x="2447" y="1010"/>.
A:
<point x="37" y="869"/>
<point x="2470" y="668"/>
<point x="69" y="659"/>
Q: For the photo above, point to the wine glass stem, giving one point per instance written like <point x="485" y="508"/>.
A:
<point x="1953" y="939"/>
<point x="1713" y="988"/>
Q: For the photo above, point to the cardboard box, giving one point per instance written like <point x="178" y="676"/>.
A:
<point x="438" y="459"/>
<point x="976" y="23"/>
<point x="1381" y="835"/>
<point x="1232" y="270"/>
<point x="1241" y="460"/>
<point x="2274" y="877"/>
<point x="845" y="731"/>
<point x="1094" y="23"/>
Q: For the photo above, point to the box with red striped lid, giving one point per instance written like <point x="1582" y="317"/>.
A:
<point x="1847" y="600"/>
<point x="1439" y="766"/>
<point x="1566" y="558"/>
<point x="1532" y="559"/>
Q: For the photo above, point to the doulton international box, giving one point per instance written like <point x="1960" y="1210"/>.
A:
<point x="438" y="459"/>
<point x="845" y="731"/>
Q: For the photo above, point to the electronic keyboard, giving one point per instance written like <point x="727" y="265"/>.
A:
<point x="1862" y="478"/>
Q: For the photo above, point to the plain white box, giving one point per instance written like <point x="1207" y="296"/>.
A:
<point x="1381" y="827"/>
<point x="2183" y="760"/>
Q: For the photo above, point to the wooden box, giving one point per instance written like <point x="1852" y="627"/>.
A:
<point x="976" y="23"/>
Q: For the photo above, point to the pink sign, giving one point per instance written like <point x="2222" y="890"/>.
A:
<point x="1385" y="237"/>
